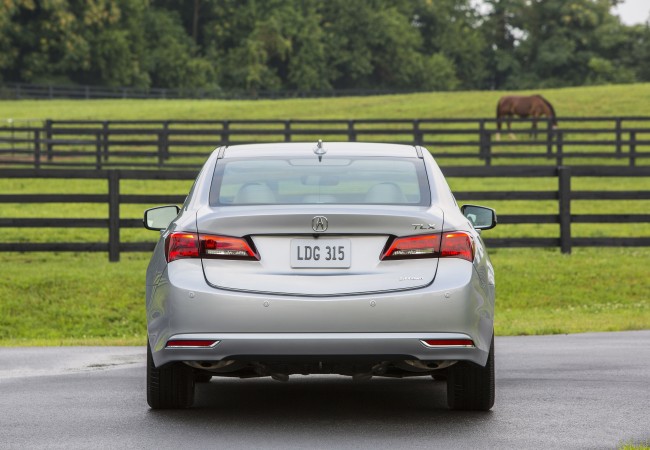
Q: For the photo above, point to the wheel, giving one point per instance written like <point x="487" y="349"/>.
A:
<point x="470" y="386"/>
<point x="202" y="377"/>
<point x="169" y="387"/>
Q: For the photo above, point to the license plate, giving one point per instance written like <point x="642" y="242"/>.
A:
<point x="320" y="253"/>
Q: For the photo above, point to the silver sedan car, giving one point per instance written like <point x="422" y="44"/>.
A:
<point x="320" y="258"/>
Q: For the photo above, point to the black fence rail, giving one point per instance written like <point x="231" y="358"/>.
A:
<point x="20" y="91"/>
<point x="186" y="144"/>
<point x="114" y="199"/>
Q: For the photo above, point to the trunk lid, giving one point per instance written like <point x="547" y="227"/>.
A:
<point x="344" y="259"/>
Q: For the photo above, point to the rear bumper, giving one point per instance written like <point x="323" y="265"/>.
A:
<point x="180" y="304"/>
<point x="253" y="346"/>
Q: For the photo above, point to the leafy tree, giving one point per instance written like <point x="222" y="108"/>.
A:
<point x="373" y="46"/>
<point x="501" y="30"/>
<point x="9" y="29"/>
<point x="45" y="42"/>
<point x="559" y="42"/>
<point x="170" y="55"/>
<point x="451" y="28"/>
<point x="113" y="34"/>
<point x="255" y="45"/>
<point x="308" y="66"/>
<point x="640" y="51"/>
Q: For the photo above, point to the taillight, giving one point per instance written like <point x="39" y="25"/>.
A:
<point x="457" y="245"/>
<point x="443" y="245"/>
<point x="193" y="245"/>
<point x="181" y="245"/>
<point x="227" y="248"/>
<point x="413" y="247"/>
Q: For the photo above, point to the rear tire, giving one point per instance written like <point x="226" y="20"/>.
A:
<point x="470" y="387"/>
<point x="170" y="386"/>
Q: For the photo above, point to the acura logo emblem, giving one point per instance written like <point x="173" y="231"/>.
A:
<point x="319" y="223"/>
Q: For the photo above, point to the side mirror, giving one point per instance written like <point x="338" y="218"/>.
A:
<point x="482" y="218"/>
<point x="160" y="217"/>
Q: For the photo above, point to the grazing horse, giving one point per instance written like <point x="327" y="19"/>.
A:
<point x="524" y="106"/>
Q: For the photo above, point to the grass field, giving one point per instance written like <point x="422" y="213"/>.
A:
<point x="54" y="299"/>
<point x="621" y="100"/>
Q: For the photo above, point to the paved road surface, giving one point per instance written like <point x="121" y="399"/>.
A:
<point x="576" y="391"/>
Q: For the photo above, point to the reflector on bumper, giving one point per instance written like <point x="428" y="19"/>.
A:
<point x="448" y="342"/>
<point x="191" y="343"/>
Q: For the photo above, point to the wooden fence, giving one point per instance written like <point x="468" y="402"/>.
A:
<point x="563" y="195"/>
<point x="185" y="144"/>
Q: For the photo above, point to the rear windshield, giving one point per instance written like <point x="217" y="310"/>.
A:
<point x="334" y="180"/>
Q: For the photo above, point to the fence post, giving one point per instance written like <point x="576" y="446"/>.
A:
<point x="488" y="149"/>
<point x="105" y="139"/>
<point x="13" y="136"/>
<point x="113" y="215"/>
<point x="165" y="138"/>
<point x="87" y="92"/>
<point x="481" y="137"/>
<point x="549" y="138"/>
<point x="161" y="148"/>
<point x="48" y="137"/>
<point x="417" y="134"/>
<point x="98" y="150"/>
<point x="37" y="149"/>
<point x="619" y="136"/>
<point x="564" y="191"/>
<point x="632" y="148"/>
<point x="287" y="131"/>
<point x="225" y="132"/>
<point x="560" y="148"/>
<point x="352" y="134"/>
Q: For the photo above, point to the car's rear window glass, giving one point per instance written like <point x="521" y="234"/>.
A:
<point x="334" y="180"/>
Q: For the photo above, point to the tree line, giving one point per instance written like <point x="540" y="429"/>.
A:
<point x="308" y="45"/>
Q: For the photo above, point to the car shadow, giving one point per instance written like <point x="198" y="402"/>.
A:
<point x="323" y="405"/>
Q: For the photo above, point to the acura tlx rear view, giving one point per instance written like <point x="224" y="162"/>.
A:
<point x="342" y="258"/>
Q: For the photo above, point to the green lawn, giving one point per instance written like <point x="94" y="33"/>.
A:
<point x="621" y="100"/>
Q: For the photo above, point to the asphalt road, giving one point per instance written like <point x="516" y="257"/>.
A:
<point x="564" y="391"/>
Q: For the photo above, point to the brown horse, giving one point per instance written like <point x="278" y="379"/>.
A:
<point x="524" y="106"/>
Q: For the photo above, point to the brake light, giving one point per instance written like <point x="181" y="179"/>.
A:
<point x="457" y="245"/>
<point x="227" y="247"/>
<point x="181" y="245"/>
<point x="193" y="245"/>
<point x="413" y="247"/>
<point x="445" y="245"/>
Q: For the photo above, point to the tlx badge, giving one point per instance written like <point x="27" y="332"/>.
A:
<point x="423" y="226"/>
